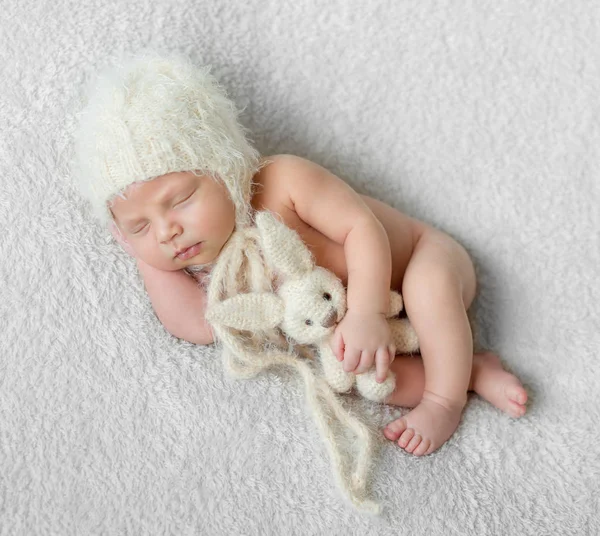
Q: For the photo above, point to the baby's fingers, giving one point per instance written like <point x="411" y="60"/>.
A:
<point x="337" y="345"/>
<point x="351" y="360"/>
<point x="392" y="349"/>
<point x="367" y="360"/>
<point x="382" y="364"/>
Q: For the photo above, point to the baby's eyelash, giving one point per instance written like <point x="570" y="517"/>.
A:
<point x="138" y="230"/>
<point x="184" y="200"/>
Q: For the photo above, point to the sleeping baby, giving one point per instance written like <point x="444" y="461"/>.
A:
<point x="167" y="167"/>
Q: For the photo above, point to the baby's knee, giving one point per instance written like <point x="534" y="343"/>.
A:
<point x="440" y="270"/>
<point x="430" y="284"/>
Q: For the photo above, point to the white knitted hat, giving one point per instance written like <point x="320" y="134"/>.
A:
<point x="149" y="115"/>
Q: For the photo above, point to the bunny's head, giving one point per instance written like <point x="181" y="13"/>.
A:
<point x="314" y="304"/>
<point x="314" y="298"/>
<point x="308" y="303"/>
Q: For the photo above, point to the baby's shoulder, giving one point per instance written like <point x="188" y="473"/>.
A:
<point x="271" y="184"/>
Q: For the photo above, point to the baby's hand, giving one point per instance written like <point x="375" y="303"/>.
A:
<point x="121" y="239"/>
<point x="361" y="339"/>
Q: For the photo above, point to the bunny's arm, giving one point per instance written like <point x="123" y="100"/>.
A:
<point x="332" y="207"/>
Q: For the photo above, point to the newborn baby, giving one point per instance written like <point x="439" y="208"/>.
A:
<point x="151" y="153"/>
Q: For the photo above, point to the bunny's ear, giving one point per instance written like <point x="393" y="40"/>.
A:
<point x="248" y="312"/>
<point x="283" y="249"/>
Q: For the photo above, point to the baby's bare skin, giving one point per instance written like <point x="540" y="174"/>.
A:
<point x="448" y="359"/>
<point x="488" y="379"/>
<point x="433" y="272"/>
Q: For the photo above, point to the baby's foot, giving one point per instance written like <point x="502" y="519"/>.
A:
<point x="427" y="427"/>
<point x="497" y="386"/>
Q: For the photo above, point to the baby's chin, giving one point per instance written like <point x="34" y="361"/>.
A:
<point x="199" y="263"/>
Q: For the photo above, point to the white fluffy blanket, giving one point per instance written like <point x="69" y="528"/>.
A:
<point x="479" y="117"/>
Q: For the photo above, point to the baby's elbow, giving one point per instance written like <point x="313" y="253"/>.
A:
<point x="204" y="338"/>
<point x="201" y="335"/>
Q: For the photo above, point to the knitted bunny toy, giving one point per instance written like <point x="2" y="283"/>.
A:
<point x="253" y="312"/>
<point x="307" y="306"/>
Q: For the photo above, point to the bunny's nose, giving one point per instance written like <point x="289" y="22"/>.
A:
<point x="330" y="319"/>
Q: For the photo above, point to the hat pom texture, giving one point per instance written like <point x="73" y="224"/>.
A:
<point x="149" y="115"/>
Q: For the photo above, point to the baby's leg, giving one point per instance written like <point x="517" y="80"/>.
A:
<point x="488" y="379"/>
<point x="438" y="287"/>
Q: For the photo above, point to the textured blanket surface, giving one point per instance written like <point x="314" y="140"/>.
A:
<point x="481" y="118"/>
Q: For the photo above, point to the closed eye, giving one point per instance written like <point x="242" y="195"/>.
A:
<point x="184" y="200"/>
<point x="138" y="230"/>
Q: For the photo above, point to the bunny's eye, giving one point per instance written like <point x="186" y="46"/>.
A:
<point x="327" y="296"/>
<point x="308" y="322"/>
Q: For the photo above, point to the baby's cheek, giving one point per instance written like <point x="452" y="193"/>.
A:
<point x="145" y="252"/>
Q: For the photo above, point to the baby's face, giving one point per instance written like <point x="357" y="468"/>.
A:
<point x="173" y="212"/>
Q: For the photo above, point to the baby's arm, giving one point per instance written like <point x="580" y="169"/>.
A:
<point x="179" y="303"/>
<point x="177" y="299"/>
<point x="332" y="207"/>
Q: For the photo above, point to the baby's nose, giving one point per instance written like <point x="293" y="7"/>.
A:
<point x="330" y="319"/>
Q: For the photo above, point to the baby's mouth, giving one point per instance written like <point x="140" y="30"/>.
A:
<point x="190" y="252"/>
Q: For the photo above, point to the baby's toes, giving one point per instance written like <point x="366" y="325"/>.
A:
<point x="394" y="429"/>
<point x="516" y="393"/>
<point x="414" y="443"/>
<point x="406" y="438"/>
<point x="516" y="410"/>
<point x="517" y="397"/>
<point x="422" y="449"/>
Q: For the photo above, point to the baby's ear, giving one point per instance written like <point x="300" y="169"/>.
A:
<point x="283" y="249"/>
<point x="248" y="312"/>
<point x="118" y="236"/>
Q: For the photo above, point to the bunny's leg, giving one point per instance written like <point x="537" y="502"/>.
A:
<point x="333" y="370"/>
<point x="369" y="388"/>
